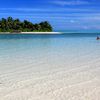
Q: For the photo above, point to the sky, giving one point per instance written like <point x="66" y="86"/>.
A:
<point x="63" y="15"/>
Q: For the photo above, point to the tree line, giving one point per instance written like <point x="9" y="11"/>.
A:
<point x="15" y="25"/>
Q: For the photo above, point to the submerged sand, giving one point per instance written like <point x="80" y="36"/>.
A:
<point x="50" y="75"/>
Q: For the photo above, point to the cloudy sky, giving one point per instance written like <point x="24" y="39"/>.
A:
<point x="62" y="14"/>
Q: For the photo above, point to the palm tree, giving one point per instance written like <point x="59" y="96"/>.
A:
<point x="10" y="24"/>
<point x="16" y="24"/>
<point x="46" y="26"/>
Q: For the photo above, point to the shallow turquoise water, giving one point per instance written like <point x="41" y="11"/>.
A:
<point x="34" y="45"/>
<point x="67" y="46"/>
<point x="49" y="50"/>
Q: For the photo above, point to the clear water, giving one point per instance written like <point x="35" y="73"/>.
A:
<point x="42" y="53"/>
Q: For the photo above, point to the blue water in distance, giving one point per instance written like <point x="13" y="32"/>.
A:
<point x="23" y="36"/>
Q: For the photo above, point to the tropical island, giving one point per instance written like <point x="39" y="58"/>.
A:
<point x="16" y="25"/>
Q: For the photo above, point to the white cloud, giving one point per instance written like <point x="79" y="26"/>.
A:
<point x="72" y="2"/>
<point x="21" y="9"/>
<point x="52" y="10"/>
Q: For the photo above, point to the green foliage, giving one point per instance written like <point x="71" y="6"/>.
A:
<point x="15" y="25"/>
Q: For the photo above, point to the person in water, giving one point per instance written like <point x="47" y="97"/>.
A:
<point x="98" y="38"/>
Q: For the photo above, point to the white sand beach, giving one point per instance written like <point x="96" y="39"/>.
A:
<point x="24" y="83"/>
<point x="30" y="74"/>
<point x="32" y="33"/>
<point x="41" y="32"/>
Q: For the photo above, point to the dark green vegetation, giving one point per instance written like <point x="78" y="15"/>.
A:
<point x="15" y="25"/>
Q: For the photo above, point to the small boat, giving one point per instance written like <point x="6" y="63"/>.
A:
<point x="98" y="38"/>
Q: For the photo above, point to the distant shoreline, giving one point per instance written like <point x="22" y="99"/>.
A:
<point x="41" y="32"/>
<point x="31" y="33"/>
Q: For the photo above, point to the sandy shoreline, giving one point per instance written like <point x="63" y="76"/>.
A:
<point x="61" y="84"/>
<point x="41" y="32"/>
<point x="32" y="33"/>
